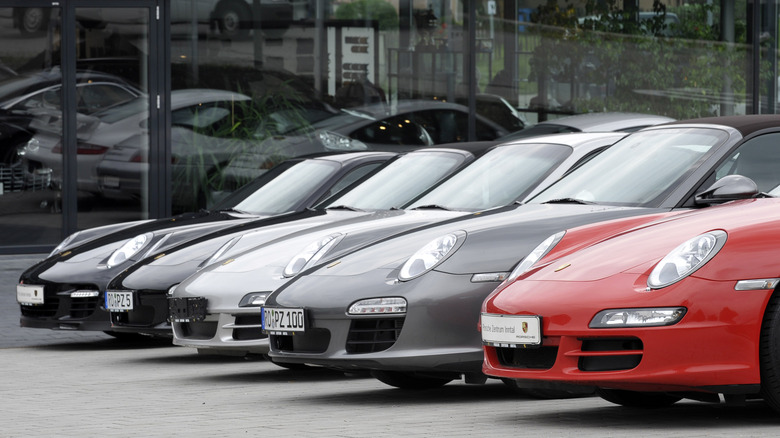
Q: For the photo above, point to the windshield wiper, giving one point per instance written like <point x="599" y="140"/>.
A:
<point x="343" y="207"/>
<point x="568" y="201"/>
<point x="432" y="207"/>
<point x="233" y="210"/>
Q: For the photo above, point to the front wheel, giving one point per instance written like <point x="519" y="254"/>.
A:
<point x="769" y="354"/>
<point x="636" y="399"/>
<point x="410" y="380"/>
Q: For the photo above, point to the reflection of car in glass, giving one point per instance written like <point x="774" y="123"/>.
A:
<point x="209" y="127"/>
<point x="407" y="308"/>
<point x="75" y="274"/>
<point x="410" y="125"/>
<point x="591" y="122"/>
<point x="25" y="97"/>
<point x="233" y="293"/>
<point x="233" y="18"/>
<point x="685" y="307"/>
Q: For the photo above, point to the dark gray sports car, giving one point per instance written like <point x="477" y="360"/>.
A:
<point x="407" y="308"/>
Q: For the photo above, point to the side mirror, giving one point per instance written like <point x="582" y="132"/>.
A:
<point x="728" y="188"/>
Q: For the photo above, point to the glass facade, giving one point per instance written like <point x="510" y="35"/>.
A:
<point x="125" y="110"/>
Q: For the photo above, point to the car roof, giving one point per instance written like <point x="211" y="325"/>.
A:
<point x="609" y="121"/>
<point x="745" y="124"/>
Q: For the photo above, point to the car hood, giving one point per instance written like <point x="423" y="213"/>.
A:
<point x="165" y="269"/>
<point x="261" y="268"/>
<point x="92" y="246"/>
<point x="494" y="242"/>
<point x="638" y="251"/>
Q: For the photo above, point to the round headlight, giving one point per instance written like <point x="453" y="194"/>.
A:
<point x="430" y="255"/>
<point x="311" y="254"/>
<point x="686" y="259"/>
<point x="534" y="256"/>
<point x="129" y="249"/>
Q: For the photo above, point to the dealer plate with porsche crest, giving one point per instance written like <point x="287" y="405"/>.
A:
<point x="511" y="330"/>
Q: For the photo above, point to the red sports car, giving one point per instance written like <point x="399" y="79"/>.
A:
<point x="684" y="307"/>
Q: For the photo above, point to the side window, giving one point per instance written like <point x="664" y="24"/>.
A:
<point x="95" y="97"/>
<point x="757" y="159"/>
<point x="399" y="130"/>
<point x="350" y="178"/>
<point x="444" y="126"/>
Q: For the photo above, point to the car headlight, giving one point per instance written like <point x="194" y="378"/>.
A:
<point x="64" y="244"/>
<point x="686" y="259"/>
<point x="645" y="317"/>
<point x="220" y="252"/>
<point x="311" y="254"/>
<point x="254" y="299"/>
<point x="535" y="255"/>
<point x="429" y="256"/>
<point x="337" y="142"/>
<point x="128" y="250"/>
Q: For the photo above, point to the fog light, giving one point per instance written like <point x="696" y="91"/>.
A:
<point x="254" y="299"/>
<point x="652" y="317"/>
<point x="378" y="305"/>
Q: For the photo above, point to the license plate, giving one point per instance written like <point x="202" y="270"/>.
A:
<point x="511" y="330"/>
<point x="29" y="294"/>
<point x="111" y="182"/>
<point x="187" y="309"/>
<point x="283" y="321"/>
<point x="119" y="301"/>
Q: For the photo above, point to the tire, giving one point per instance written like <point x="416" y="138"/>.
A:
<point x="769" y="354"/>
<point x="634" y="399"/>
<point x="32" y="21"/>
<point x="233" y="18"/>
<point x="552" y="391"/>
<point x="409" y="380"/>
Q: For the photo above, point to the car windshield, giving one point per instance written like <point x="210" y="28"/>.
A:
<point x="498" y="178"/>
<point x="396" y="184"/>
<point x="284" y="192"/>
<point x="638" y="170"/>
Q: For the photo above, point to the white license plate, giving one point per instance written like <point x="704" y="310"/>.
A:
<point x="511" y="330"/>
<point x="119" y="301"/>
<point x="283" y="321"/>
<point x="111" y="182"/>
<point x="29" y="294"/>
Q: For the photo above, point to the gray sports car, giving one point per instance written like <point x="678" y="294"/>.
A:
<point x="218" y="308"/>
<point x="407" y="308"/>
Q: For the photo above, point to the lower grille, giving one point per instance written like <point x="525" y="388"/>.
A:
<point x="255" y="331"/>
<point x="83" y="307"/>
<point x="46" y="310"/>
<point x="199" y="330"/>
<point x="372" y="335"/>
<point x="542" y="358"/>
<point x="623" y="354"/>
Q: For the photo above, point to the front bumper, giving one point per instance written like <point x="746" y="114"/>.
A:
<point x="713" y="348"/>
<point x="62" y="311"/>
<point x="438" y="333"/>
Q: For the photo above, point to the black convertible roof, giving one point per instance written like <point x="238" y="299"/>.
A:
<point x="745" y="124"/>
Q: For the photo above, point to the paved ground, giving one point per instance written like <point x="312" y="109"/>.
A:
<point x="75" y="384"/>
